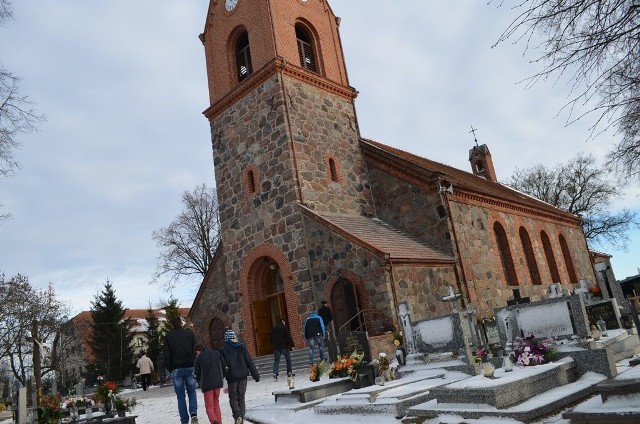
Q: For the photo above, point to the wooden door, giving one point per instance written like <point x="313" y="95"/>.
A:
<point x="262" y="326"/>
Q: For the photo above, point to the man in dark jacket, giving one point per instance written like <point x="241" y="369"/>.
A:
<point x="325" y="313"/>
<point x="314" y="333"/>
<point x="281" y="341"/>
<point x="240" y="365"/>
<point x="209" y="369"/>
<point x="179" y="355"/>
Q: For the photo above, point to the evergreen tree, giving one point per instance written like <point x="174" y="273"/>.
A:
<point x="154" y="346"/>
<point x="111" y="339"/>
<point x="171" y="310"/>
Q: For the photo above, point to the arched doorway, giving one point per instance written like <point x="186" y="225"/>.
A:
<point x="272" y="307"/>
<point x="216" y="333"/>
<point x="346" y="307"/>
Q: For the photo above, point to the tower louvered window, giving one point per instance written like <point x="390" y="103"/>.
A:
<point x="305" y="49"/>
<point x="243" y="57"/>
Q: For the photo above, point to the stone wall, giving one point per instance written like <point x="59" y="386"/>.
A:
<point x="422" y="287"/>
<point x="412" y="210"/>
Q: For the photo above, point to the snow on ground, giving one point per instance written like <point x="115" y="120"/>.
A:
<point x="158" y="406"/>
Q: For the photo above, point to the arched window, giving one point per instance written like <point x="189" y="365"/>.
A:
<point x="332" y="170"/>
<point x="250" y="181"/>
<point x="305" y="49"/>
<point x="243" y="57"/>
<point x="551" y="260"/>
<point x="568" y="262"/>
<point x="530" y="256"/>
<point x="508" y="266"/>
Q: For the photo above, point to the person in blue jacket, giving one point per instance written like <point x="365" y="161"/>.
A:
<point x="314" y="332"/>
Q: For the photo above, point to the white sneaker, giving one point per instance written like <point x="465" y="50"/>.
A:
<point x="239" y="420"/>
<point x="194" y="419"/>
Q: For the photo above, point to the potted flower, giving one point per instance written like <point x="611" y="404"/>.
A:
<point x="383" y="366"/>
<point x="50" y="411"/>
<point x="398" y="342"/>
<point x="124" y="405"/>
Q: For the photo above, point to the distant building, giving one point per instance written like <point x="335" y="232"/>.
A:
<point x="74" y="343"/>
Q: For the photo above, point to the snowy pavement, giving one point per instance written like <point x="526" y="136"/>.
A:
<point x="158" y="406"/>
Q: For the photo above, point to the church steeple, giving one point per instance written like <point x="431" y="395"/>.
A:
<point x="247" y="41"/>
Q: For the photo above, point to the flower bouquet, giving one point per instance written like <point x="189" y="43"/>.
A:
<point x="316" y="370"/>
<point x="346" y="365"/>
<point x="528" y="351"/>
<point x="383" y="363"/>
<point x="50" y="411"/>
<point x="104" y="390"/>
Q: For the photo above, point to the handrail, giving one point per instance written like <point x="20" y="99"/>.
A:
<point x="363" y="321"/>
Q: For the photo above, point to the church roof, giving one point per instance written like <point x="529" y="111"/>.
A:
<point x="380" y="236"/>
<point x="461" y="180"/>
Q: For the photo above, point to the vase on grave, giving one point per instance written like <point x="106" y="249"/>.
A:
<point x="507" y="363"/>
<point x="488" y="369"/>
<point x="595" y="333"/>
<point x="602" y="326"/>
<point x="89" y="413"/>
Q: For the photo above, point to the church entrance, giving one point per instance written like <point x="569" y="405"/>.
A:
<point x="267" y="311"/>
<point x="346" y="307"/>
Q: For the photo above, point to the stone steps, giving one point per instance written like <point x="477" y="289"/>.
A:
<point x="299" y="364"/>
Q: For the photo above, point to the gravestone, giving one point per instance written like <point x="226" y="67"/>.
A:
<point x="553" y="317"/>
<point x="355" y="341"/>
<point x="491" y="333"/>
<point x="607" y="310"/>
<point x="440" y="335"/>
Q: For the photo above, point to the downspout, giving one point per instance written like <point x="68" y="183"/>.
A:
<point x="394" y="295"/>
<point x="454" y="239"/>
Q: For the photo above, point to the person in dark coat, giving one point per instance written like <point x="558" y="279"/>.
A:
<point x="327" y="316"/>
<point x="240" y="365"/>
<point x="209" y="369"/>
<point x="314" y="333"/>
<point x="179" y="355"/>
<point x="281" y="341"/>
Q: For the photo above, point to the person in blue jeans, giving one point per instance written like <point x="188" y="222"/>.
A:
<point x="281" y="341"/>
<point x="314" y="332"/>
<point x="179" y="356"/>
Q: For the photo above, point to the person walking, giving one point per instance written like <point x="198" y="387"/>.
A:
<point x="145" y="365"/>
<point x="179" y="356"/>
<point x="240" y="365"/>
<point x="314" y="332"/>
<point x="327" y="316"/>
<point x="209" y="369"/>
<point x="281" y="341"/>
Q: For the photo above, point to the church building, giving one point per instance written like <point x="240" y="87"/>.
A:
<point x="311" y="211"/>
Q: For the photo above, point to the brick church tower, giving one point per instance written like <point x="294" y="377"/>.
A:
<point x="284" y="136"/>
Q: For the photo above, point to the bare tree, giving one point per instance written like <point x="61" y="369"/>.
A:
<point x="596" y="44"/>
<point x="16" y="112"/>
<point x="189" y="242"/>
<point x="581" y="188"/>
<point x="22" y="304"/>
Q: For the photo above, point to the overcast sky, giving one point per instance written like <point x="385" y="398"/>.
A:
<point x="123" y="85"/>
